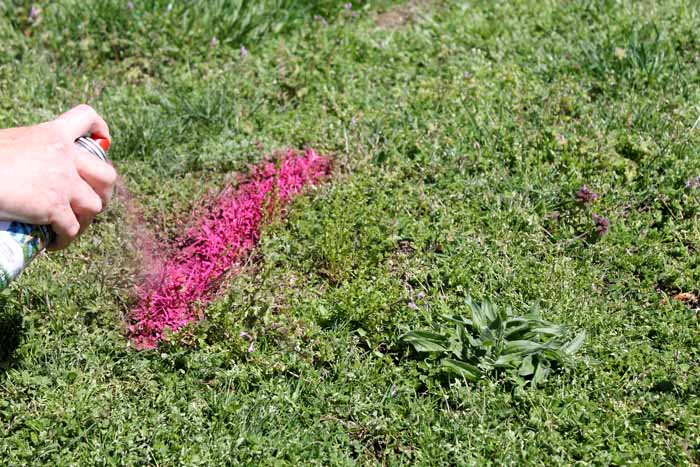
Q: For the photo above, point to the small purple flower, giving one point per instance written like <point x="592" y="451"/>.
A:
<point x="244" y="52"/>
<point x="602" y="224"/>
<point x="245" y="335"/>
<point x="130" y="5"/>
<point x="33" y="13"/>
<point x="214" y="41"/>
<point x="250" y="347"/>
<point x="348" y="6"/>
<point x="412" y="305"/>
<point x="692" y="183"/>
<point x="321" y="19"/>
<point x="585" y="195"/>
<point x="467" y="75"/>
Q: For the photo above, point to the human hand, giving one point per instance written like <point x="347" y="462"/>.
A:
<point x="45" y="178"/>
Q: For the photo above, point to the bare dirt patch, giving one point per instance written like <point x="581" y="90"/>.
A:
<point x="400" y="15"/>
<point x="691" y="299"/>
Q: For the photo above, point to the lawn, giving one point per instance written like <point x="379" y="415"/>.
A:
<point x="462" y="135"/>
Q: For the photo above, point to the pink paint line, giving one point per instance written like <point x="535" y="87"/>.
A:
<point x="216" y="243"/>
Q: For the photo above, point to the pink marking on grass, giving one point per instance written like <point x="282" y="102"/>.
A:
<point x="217" y="242"/>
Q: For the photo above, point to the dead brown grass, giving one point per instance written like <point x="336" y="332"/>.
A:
<point x="401" y="15"/>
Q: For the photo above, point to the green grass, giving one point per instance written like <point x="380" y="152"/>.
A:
<point x="457" y="136"/>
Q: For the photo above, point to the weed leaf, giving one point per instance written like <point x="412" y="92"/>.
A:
<point x="522" y="347"/>
<point x="493" y="340"/>
<point x="526" y="367"/>
<point x="466" y="370"/>
<point x="425" y="341"/>
<point x="573" y="346"/>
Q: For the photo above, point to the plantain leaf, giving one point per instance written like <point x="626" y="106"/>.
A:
<point x="495" y="341"/>
<point x="516" y="331"/>
<point x="505" y="361"/>
<point x="496" y="325"/>
<point x="526" y="367"/>
<point x="465" y="339"/>
<point x="522" y="347"/>
<point x="554" y="355"/>
<point x="533" y="315"/>
<point x="456" y="343"/>
<point x="426" y="341"/>
<point x="487" y="339"/>
<point x="459" y="320"/>
<point x="516" y="321"/>
<point x="488" y="311"/>
<point x="573" y="346"/>
<point x="478" y="317"/>
<point x="463" y="369"/>
<point x="541" y="373"/>
<point x="556" y="331"/>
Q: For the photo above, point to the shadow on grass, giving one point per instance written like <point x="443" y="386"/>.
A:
<point x="11" y="333"/>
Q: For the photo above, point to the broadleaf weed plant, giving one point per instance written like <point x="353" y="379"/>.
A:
<point x="495" y="341"/>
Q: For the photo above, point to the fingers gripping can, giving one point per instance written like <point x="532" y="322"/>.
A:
<point x="20" y="243"/>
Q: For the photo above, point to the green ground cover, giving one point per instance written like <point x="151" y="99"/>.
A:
<point x="461" y="132"/>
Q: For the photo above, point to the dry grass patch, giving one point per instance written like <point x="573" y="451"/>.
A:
<point x="400" y="15"/>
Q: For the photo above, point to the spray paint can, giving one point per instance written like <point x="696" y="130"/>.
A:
<point x="20" y="243"/>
